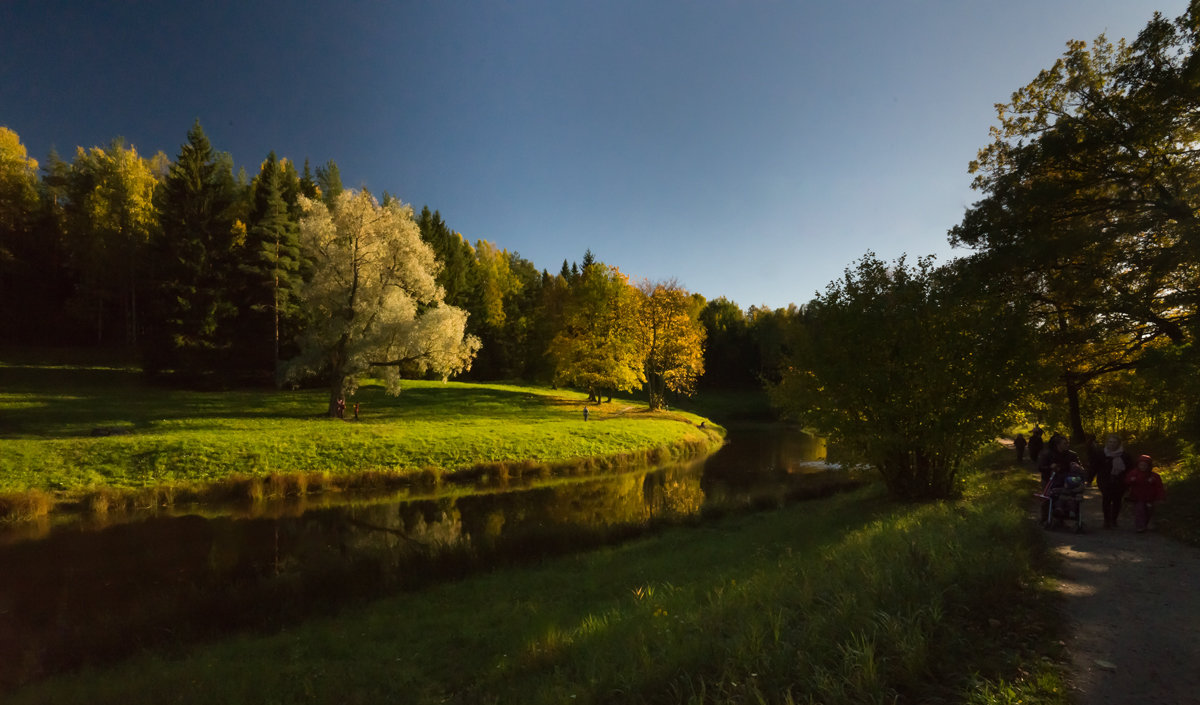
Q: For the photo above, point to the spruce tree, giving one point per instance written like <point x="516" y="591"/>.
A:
<point x="453" y="252"/>
<point x="270" y="265"/>
<point x="193" y="328"/>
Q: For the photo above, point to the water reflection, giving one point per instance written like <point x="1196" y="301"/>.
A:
<point x="86" y="595"/>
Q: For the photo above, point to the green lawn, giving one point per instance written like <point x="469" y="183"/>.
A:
<point x="50" y="416"/>
<point x="852" y="599"/>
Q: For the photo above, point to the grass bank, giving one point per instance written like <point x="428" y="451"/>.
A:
<point x="851" y="599"/>
<point x="98" y="438"/>
<point x="1179" y="516"/>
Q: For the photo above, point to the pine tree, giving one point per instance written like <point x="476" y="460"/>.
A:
<point x="453" y="252"/>
<point x="193" y="331"/>
<point x="271" y="267"/>
<point x="329" y="178"/>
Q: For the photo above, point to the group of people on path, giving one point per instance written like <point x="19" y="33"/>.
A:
<point x="1110" y="467"/>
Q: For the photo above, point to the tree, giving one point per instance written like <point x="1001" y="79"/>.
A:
<point x="109" y="218"/>
<point x="19" y="206"/>
<point x="373" y="299"/>
<point x="909" y="369"/>
<point x="673" y="340"/>
<point x="1091" y="187"/>
<point x="18" y="188"/>
<point x="195" y="258"/>
<point x="271" y="265"/>
<point x="598" y="346"/>
<point x="492" y="287"/>
<point x="453" y="251"/>
<point x="329" y="179"/>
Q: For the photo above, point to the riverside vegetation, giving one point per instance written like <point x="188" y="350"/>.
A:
<point x="95" y="437"/>
<point x="851" y="599"/>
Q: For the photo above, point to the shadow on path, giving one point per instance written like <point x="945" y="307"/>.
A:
<point x="1133" y="605"/>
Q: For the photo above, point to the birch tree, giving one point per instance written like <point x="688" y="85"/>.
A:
<point x="373" y="300"/>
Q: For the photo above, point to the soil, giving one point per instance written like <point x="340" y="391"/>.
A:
<point x="1132" y="601"/>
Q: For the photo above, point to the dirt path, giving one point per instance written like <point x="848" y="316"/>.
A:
<point x="1133" y="603"/>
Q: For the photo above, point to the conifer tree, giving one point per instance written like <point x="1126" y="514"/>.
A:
<point x="271" y="266"/>
<point x="195" y="252"/>
<point x="329" y="178"/>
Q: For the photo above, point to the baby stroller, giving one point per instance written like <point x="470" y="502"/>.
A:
<point x="1062" y="499"/>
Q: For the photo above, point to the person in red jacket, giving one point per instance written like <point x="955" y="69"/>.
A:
<point x="1145" y="489"/>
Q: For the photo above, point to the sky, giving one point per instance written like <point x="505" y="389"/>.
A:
<point x="747" y="149"/>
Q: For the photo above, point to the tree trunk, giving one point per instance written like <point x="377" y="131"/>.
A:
<point x="335" y="396"/>
<point x="1077" y="433"/>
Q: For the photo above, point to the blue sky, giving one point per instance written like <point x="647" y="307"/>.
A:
<point x="750" y="150"/>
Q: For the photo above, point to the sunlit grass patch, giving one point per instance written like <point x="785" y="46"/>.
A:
<point x="81" y="430"/>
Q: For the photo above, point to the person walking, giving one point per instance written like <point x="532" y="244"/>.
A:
<point x="1036" y="443"/>
<point x="1110" y="476"/>
<point x="1095" y="459"/>
<point x="1145" y="490"/>
<point x="1019" y="444"/>
<point x="1056" y="457"/>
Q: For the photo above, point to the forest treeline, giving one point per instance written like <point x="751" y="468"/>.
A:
<point x="219" y="279"/>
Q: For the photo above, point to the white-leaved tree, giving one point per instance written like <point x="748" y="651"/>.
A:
<point x="372" y="301"/>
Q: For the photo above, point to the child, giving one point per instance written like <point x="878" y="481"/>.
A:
<point x="1145" y="488"/>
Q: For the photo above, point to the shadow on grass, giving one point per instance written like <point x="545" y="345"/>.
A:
<point x="58" y="401"/>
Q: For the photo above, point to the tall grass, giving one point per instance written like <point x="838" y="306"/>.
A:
<point x="1179" y="515"/>
<point x="852" y="599"/>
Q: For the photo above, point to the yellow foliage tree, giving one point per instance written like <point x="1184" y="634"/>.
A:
<point x="672" y="337"/>
<point x="109" y="217"/>
<point x="598" y="346"/>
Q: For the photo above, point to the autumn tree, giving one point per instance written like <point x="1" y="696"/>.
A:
<point x="598" y="346"/>
<point x="373" y="299"/>
<point x="907" y="368"/>
<point x="109" y="217"/>
<point x="1091" y="187"/>
<point x="19" y="205"/>
<point x="18" y="188"/>
<point x="672" y="339"/>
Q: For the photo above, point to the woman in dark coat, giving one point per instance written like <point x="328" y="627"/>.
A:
<point x="1110" y="476"/>
<point x="1035" y="443"/>
<point x="1056" y="457"/>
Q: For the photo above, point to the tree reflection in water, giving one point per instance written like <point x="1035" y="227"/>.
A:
<point x="85" y="596"/>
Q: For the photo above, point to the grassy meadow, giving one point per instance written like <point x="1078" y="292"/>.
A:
<point x="850" y="599"/>
<point x="97" y="433"/>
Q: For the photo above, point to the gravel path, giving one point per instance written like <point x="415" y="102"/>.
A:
<point x="1133" y="603"/>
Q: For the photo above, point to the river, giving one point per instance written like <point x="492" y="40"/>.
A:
<point x="85" y="592"/>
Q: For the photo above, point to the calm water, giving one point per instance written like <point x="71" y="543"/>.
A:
<point x="75" y="594"/>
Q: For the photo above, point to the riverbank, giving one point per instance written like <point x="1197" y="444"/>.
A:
<point x="98" y="439"/>
<point x="854" y="598"/>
